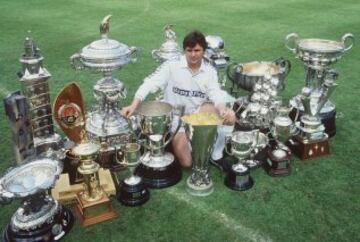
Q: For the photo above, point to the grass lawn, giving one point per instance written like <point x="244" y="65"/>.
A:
<point x="320" y="201"/>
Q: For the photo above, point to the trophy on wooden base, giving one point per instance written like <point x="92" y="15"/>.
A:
<point x="93" y="204"/>
<point x="279" y="155"/>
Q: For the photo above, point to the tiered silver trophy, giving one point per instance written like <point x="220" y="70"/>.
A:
<point x="105" y="122"/>
<point x="157" y="168"/>
<point x="169" y="49"/>
<point x="132" y="191"/>
<point x="242" y="145"/>
<point x="317" y="56"/>
<point x="216" y="56"/>
<point x="34" y="86"/>
<point x="40" y="217"/>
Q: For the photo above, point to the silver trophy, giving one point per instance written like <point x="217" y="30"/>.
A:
<point x="104" y="122"/>
<point x="158" y="167"/>
<point x="317" y="56"/>
<point x="242" y="144"/>
<point x="216" y="56"/>
<point x="40" y="217"/>
<point x="279" y="155"/>
<point x="132" y="190"/>
<point x="169" y="49"/>
<point x="34" y="86"/>
<point x="202" y="138"/>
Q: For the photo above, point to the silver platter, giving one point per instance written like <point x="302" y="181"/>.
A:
<point x="30" y="178"/>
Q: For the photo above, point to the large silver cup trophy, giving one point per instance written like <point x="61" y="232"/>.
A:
<point x="318" y="113"/>
<point x="40" y="217"/>
<point x="158" y="167"/>
<point x="242" y="144"/>
<point x="202" y="138"/>
<point x="131" y="190"/>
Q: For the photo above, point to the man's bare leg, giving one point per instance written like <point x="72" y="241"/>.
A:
<point x="181" y="150"/>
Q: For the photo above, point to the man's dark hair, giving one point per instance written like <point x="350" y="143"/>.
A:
<point x="193" y="38"/>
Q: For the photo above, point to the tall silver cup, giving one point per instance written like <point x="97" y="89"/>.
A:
<point x="202" y="138"/>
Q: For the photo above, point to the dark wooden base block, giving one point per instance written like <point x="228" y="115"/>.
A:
<point x="277" y="166"/>
<point x="90" y="213"/>
<point x="308" y="149"/>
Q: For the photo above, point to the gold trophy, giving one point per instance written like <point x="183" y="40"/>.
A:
<point x="93" y="204"/>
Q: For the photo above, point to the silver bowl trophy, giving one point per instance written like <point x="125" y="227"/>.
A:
<point x="241" y="145"/>
<point x="279" y="155"/>
<point x="216" y="56"/>
<point x="132" y="190"/>
<point x="264" y="79"/>
<point x="105" y="122"/>
<point x="202" y="138"/>
<point x="158" y="167"/>
<point x="246" y="75"/>
<point x="40" y="217"/>
<point x="317" y="56"/>
<point x="34" y="86"/>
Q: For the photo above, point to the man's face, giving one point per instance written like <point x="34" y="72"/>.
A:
<point x="194" y="55"/>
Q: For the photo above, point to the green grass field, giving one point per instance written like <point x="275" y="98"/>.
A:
<point x="320" y="201"/>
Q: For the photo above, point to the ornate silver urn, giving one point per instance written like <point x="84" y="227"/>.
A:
<point x="104" y="122"/>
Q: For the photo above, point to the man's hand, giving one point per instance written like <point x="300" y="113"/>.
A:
<point x="129" y="110"/>
<point x="227" y="114"/>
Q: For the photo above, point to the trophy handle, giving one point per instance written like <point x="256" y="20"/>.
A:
<point x="290" y="41"/>
<point x="230" y="71"/>
<point x="155" y="55"/>
<point x="134" y="54"/>
<point x="285" y="63"/>
<point x="76" y="63"/>
<point x="120" y="160"/>
<point x="182" y="110"/>
<point x="227" y="142"/>
<point x="344" y="41"/>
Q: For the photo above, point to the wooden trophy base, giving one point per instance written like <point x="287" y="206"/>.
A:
<point x="94" y="212"/>
<point x="66" y="193"/>
<point x="308" y="149"/>
<point x="278" y="166"/>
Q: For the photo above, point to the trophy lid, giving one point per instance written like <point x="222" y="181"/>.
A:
<point x="105" y="53"/>
<point x="215" y="42"/>
<point x="30" y="178"/>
